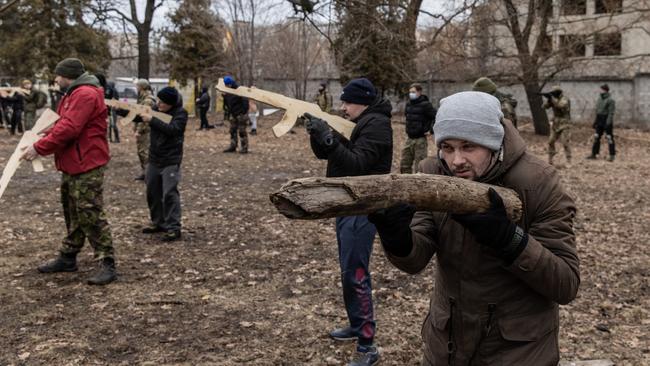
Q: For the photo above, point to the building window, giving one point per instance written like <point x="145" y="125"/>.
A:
<point x="607" y="44"/>
<point x="574" y="7"/>
<point x="573" y="45"/>
<point x="546" y="45"/>
<point x="608" y="6"/>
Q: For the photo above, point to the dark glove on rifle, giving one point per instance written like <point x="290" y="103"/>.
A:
<point x="494" y="229"/>
<point x="394" y="227"/>
<point x="320" y="131"/>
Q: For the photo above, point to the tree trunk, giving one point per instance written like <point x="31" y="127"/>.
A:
<point x="319" y="198"/>
<point x="144" y="59"/>
<point x="535" y="101"/>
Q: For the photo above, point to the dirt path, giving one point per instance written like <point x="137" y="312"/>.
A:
<point x="247" y="286"/>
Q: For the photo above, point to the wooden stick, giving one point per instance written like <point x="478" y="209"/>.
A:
<point x="294" y="109"/>
<point x="45" y="121"/>
<point x="320" y="198"/>
<point x="10" y="90"/>
<point x="136" y="109"/>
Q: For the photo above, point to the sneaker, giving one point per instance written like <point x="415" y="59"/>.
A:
<point x="365" y="356"/>
<point x="344" y="334"/>
<point x="152" y="229"/>
<point x="171" y="235"/>
<point x="63" y="263"/>
<point x="231" y="149"/>
<point x="591" y="157"/>
<point x="106" y="273"/>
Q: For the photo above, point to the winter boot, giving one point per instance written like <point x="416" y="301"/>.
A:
<point x="63" y="263"/>
<point x="610" y="158"/>
<point x="230" y="149"/>
<point x="171" y="235"/>
<point x="591" y="157"/>
<point x="106" y="273"/>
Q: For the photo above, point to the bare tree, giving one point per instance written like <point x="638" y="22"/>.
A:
<point x="143" y="28"/>
<point x="247" y="21"/>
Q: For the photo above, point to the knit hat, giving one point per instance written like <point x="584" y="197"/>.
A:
<point x="470" y="116"/>
<point x="359" y="91"/>
<point x="143" y="83"/>
<point x="168" y="95"/>
<point x="605" y="87"/>
<point x="70" y="68"/>
<point x="229" y="80"/>
<point x="485" y="85"/>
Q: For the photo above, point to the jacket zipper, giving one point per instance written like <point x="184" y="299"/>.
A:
<point x="451" y="346"/>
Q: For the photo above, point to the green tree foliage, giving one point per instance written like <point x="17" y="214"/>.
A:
<point x="376" y="39"/>
<point x="36" y="34"/>
<point x="194" y="47"/>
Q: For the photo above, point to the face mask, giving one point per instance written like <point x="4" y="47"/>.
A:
<point x="413" y="96"/>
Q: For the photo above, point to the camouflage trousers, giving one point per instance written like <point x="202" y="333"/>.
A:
<point x="238" y="125"/>
<point x="561" y="133"/>
<point x="142" y="142"/>
<point x="414" y="151"/>
<point x="83" y="208"/>
<point x="30" y="120"/>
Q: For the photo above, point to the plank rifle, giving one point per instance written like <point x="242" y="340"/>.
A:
<point x="10" y="90"/>
<point x="294" y="109"/>
<point x="136" y="109"/>
<point x="45" y="121"/>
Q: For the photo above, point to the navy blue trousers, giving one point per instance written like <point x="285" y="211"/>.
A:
<point x="355" y="235"/>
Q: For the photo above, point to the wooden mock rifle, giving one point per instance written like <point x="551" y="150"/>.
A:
<point x="11" y="90"/>
<point x="44" y="122"/>
<point x="136" y="109"/>
<point x="294" y="109"/>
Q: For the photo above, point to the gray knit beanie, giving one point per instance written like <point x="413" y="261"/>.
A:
<point x="471" y="116"/>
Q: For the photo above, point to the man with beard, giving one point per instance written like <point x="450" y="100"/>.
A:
<point x="498" y="282"/>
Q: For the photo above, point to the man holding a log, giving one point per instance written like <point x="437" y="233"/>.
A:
<point x="498" y="282"/>
<point x="80" y="147"/>
<point x="369" y="151"/>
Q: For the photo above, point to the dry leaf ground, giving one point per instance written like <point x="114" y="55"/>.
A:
<point x="247" y="286"/>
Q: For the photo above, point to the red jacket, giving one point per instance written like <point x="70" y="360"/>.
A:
<point x="78" y="139"/>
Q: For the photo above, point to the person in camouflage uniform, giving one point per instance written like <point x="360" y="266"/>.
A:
<point x="508" y="103"/>
<point x="145" y="97"/>
<point x="32" y="102"/>
<point x="323" y="98"/>
<point x="560" y="124"/>
<point x="80" y="147"/>
<point x="237" y="108"/>
<point x="604" y="123"/>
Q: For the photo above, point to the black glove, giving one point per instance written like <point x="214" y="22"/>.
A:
<point x="494" y="229"/>
<point x="319" y="130"/>
<point x="394" y="227"/>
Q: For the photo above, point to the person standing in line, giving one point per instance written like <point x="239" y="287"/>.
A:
<point x="420" y="116"/>
<point x="604" y="123"/>
<point x="203" y="105"/>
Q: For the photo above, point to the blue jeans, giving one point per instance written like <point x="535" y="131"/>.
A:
<point x="355" y="235"/>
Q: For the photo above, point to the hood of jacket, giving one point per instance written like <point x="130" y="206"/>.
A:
<point x="85" y="79"/>
<point x="380" y="105"/>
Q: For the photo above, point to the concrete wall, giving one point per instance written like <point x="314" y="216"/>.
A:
<point x="632" y="96"/>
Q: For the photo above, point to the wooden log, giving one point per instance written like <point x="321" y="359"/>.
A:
<point x="320" y="198"/>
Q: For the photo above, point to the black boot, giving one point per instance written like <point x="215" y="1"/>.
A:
<point x="63" y="263"/>
<point x="106" y="273"/>
<point x="171" y="235"/>
<point x="230" y="149"/>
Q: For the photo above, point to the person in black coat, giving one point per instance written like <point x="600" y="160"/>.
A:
<point x="368" y="151"/>
<point x="110" y="93"/>
<point x="420" y="116"/>
<point x="203" y="105"/>
<point x="163" y="170"/>
<point x="17" y="102"/>
<point x="237" y="108"/>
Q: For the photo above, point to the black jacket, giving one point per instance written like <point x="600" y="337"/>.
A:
<point x="166" y="147"/>
<point x="235" y="105"/>
<point x="204" y="100"/>
<point x="420" y="117"/>
<point x="370" y="148"/>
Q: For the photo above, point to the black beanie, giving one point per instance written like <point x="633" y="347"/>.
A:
<point x="168" y="95"/>
<point x="359" y="91"/>
<point x="70" y="68"/>
<point x="605" y="87"/>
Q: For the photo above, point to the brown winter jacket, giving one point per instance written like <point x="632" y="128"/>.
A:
<point x="476" y="294"/>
